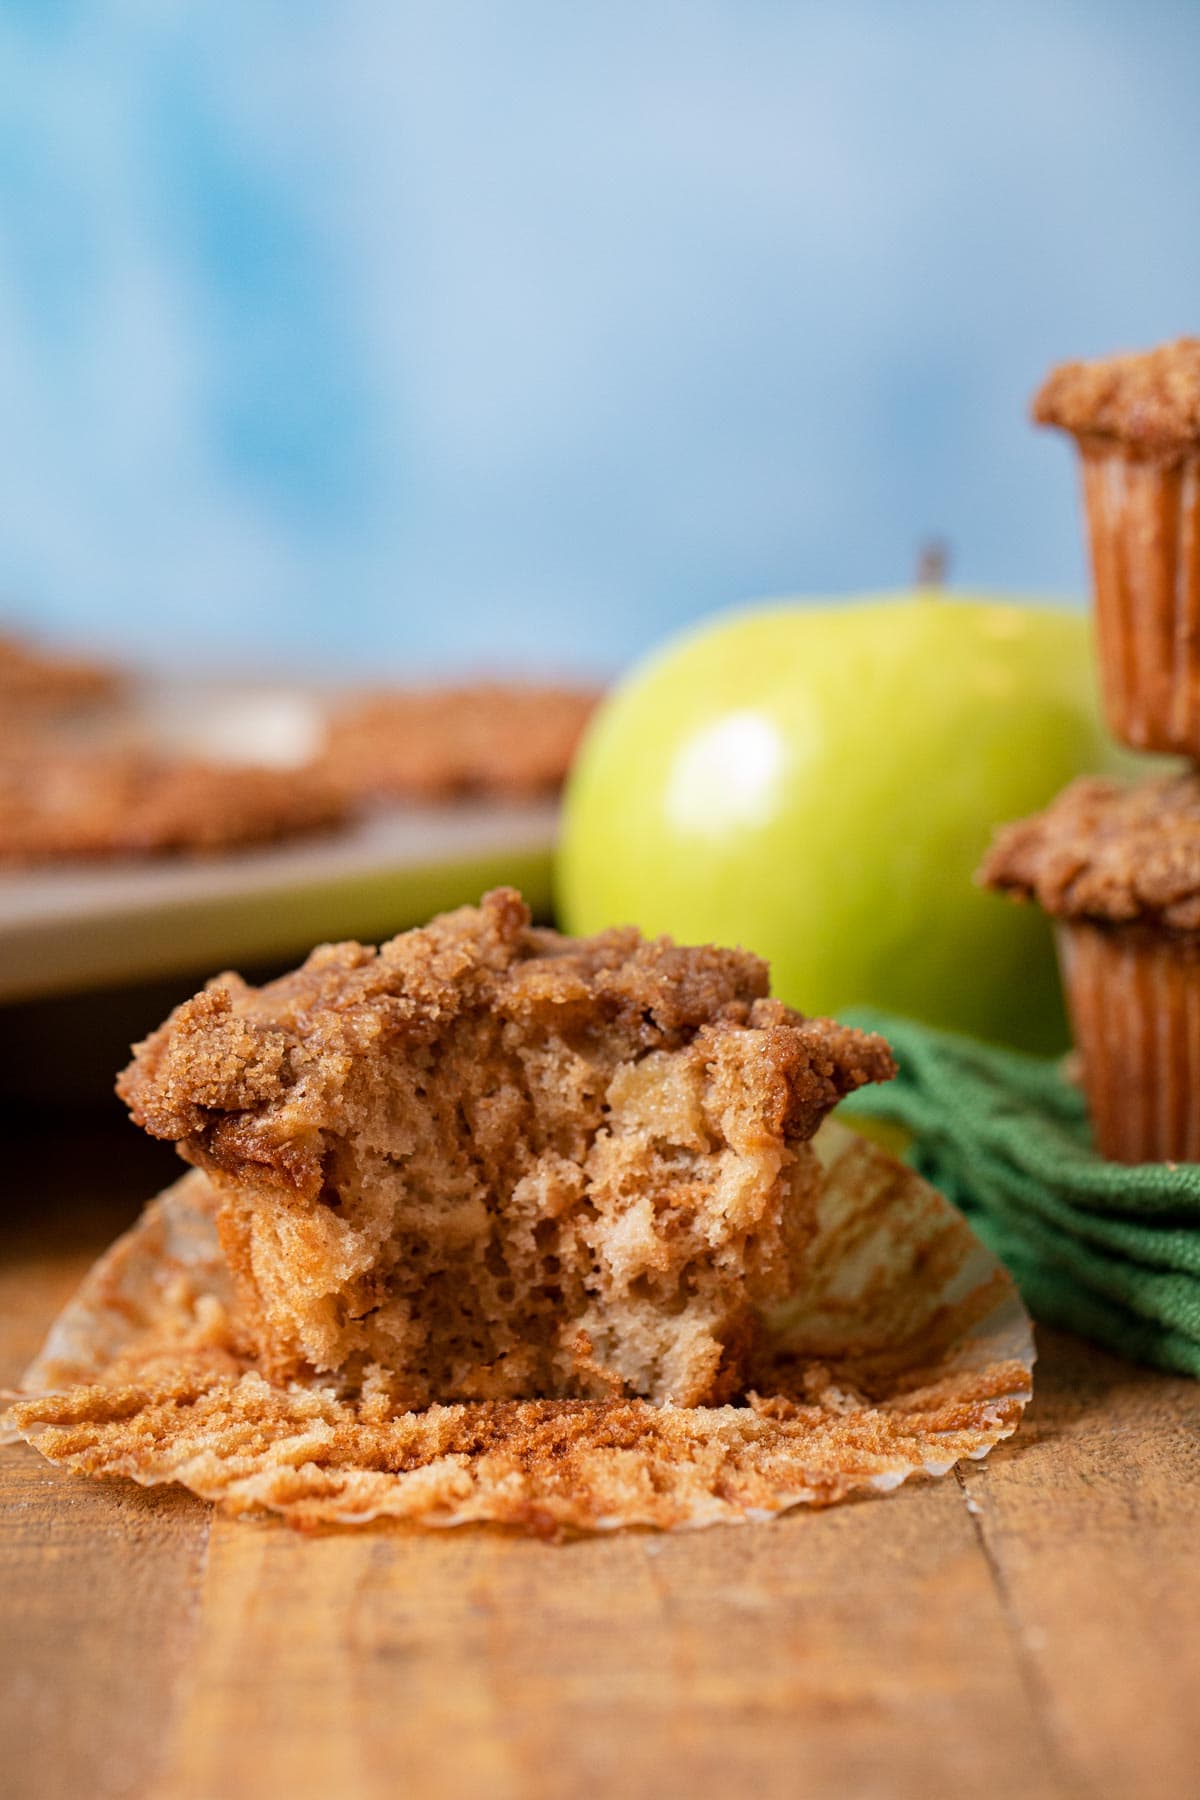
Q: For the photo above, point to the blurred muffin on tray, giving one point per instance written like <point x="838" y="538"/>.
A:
<point x="71" y="803"/>
<point x="510" y="740"/>
<point x="94" y="763"/>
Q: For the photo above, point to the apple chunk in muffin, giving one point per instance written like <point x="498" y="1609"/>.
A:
<point x="486" y="1161"/>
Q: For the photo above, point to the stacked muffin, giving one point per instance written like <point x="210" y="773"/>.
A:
<point x="1117" y="867"/>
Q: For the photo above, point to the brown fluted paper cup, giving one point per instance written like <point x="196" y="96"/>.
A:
<point x="1144" y="526"/>
<point x="1134" y="999"/>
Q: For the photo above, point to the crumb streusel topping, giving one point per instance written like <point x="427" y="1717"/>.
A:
<point x="1106" y="851"/>
<point x="1148" y="401"/>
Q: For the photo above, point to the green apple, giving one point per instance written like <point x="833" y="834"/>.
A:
<point x="818" y="782"/>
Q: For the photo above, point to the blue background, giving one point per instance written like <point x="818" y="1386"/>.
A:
<point x="370" y="334"/>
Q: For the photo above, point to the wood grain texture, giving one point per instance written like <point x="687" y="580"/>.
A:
<point x="1027" y="1628"/>
<point x="841" y="1654"/>
<point x="99" y="1585"/>
<point x="1092" y="1532"/>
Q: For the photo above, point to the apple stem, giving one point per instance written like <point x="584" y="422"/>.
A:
<point x="933" y="562"/>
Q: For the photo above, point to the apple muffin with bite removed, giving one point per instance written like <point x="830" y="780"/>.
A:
<point x="488" y="1162"/>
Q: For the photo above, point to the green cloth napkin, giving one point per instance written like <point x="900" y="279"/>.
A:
<point x="1110" y="1251"/>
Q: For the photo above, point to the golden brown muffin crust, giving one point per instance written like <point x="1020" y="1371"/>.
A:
<point x="1148" y="401"/>
<point x="1108" y="852"/>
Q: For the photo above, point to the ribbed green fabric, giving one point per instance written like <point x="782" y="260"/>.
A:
<point x="1109" y="1251"/>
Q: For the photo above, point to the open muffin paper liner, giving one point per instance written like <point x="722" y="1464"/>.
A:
<point x="907" y="1351"/>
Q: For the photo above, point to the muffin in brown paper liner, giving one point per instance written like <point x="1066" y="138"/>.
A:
<point x="907" y="1350"/>
<point x="1136" y="420"/>
<point x="1118" y="869"/>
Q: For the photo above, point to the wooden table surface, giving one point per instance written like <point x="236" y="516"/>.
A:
<point x="1030" y="1626"/>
